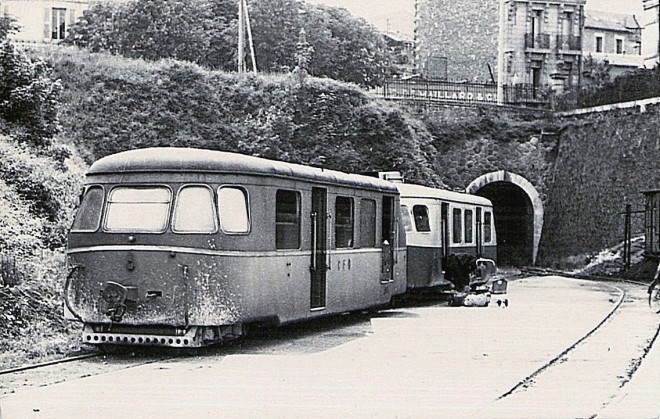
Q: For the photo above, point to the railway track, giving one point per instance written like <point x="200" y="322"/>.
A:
<point x="604" y="360"/>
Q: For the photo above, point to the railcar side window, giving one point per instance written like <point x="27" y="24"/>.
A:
<point x="194" y="212"/>
<point x="368" y="223"/>
<point x="468" y="226"/>
<point x="488" y="222"/>
<point x="457" y="225"/>
<point x="88" y="217"/>
<point x="343" y="222"/>
<point x="405" y="218"/>
<point x="421" y="214"/>
<point x="234" y="210"/>
<point x="287" y="220"/>
<point x="133" y="209"/>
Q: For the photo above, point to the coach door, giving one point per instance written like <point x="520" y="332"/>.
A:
<point x="319" y="229"/>
<point x="479" y="234"/>
<point x="388" y="243"/>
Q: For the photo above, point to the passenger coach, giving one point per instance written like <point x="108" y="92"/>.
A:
<point x="444" y="228"/>
<point x="182" y="247"/>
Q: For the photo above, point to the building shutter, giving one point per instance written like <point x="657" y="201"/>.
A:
<point x="47" y="18"/>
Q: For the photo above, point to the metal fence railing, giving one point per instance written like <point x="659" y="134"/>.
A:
<point x="462" y="92"/>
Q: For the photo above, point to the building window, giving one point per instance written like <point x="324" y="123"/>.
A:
<point x="58" y="27"/>
<point x="599" y="44"/>
<point x="343" y="222"/>
<point x="287" y="220"/>
<point x="619" y="46"/>
<point x="368" y="223"/>
<point x="421" y="216"/>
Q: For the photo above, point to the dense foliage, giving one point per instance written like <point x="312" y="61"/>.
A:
<point x="638" y="84"/>
<point x="28" y="97"/>
<point x="206" y="32"/>
<point x="7" y="25"/>
<point x="113" y="105"/>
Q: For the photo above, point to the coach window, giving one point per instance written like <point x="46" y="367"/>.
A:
<point x="405" y="218"/>
<point x="138" y="209"/>
<point x="421" y="215"/>
<point x="468" y="226"/>
<point x="287" y="220"/>
<point x="488" y="222"/>
<point x="457" y="225"/>
<point x="367" y="223"/>
<point x="343" y="222"/>
<point x="88" y="217"/>
<point x="234" y="210"/>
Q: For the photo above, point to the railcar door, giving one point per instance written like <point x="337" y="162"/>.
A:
<point x="479" y="235"/>
<point x="319" y="231"/>
<point x="389" y="240"/>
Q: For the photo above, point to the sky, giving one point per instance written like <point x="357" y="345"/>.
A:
<point x="396" y="16"/>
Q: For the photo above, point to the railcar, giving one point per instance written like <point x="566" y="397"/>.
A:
<point x="445" y="232"/>
<point x="184" y="247"/>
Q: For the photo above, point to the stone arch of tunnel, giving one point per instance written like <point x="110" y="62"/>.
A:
<point x="518" y="213"/>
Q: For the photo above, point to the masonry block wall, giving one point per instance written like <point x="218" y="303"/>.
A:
<point x="441" y="28"/>
<point x="586" y="168"/>
<point x="605" y="160"/>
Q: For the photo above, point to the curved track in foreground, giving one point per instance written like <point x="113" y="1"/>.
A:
<point x="530" y="378"/>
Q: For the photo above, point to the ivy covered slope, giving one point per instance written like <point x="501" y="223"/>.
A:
<point x="111" y="104"/>
<point x="39" y="183"/>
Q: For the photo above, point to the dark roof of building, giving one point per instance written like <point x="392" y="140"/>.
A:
<point x="622" y="22"/>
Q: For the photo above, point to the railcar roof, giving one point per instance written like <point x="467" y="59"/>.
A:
<point x="418" y="191"/>
<point x="184" y="160"/>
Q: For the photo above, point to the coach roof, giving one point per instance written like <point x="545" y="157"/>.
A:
<point x="418" y="191"/>
<point x="191" y="160"/>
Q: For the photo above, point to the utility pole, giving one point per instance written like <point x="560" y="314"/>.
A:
<point x="243" y="25"/>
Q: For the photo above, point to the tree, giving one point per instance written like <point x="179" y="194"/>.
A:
<point x="28" y="98"/>
<point x="194" y="30"/>
<point x="206" y="32"/>
<point x="345" y="48"/>
<point x="7" y="25"/>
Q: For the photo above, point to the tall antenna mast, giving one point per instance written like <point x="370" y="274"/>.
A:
<point x="243" y="24"/>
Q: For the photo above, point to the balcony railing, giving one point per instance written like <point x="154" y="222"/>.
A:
<point x="537" y="41"/>
<point x="569" y="43"/>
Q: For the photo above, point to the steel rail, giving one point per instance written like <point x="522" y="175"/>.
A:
<point x="49" y="363"/>
<point x="529" y="379"/>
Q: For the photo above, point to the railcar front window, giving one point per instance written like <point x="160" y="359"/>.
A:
<point x="88" y="217"/>
<point x="194" y="212"/>
<point x="287" y="220"/>
<point x="421" y="214"/>
<point x="138" y="210"/>
<point x="488" y="235"/>
<point x="343" y="222"/>
<point x="234" y="211"/>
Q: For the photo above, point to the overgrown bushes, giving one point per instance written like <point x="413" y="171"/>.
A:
<point x="112" y="105"/>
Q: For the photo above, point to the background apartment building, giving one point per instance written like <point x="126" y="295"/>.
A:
<point x="615" y="38"/>
<point x="43" y="21"/>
